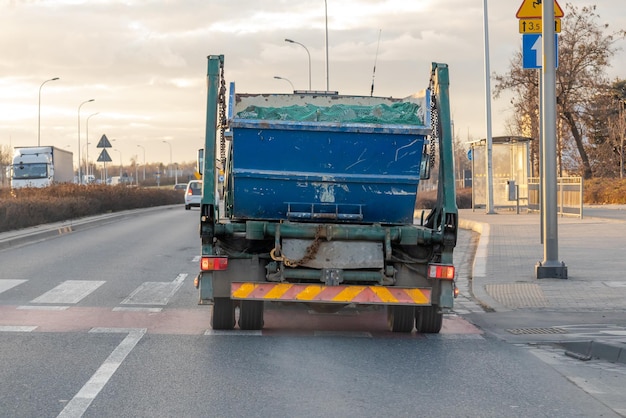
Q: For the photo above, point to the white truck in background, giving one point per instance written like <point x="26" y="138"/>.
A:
<point x="41" y="167"/>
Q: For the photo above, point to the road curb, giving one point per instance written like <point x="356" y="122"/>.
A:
<point x="612" y="351"/>
<point x="479" y="266"/>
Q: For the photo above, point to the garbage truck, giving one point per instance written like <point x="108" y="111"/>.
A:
<point x="41" y="166"/>
<point x="319" y="204"/>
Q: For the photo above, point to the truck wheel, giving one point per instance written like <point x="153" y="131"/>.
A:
<point x="251" y="314"/>
<point x="429" y="320"/>
<point x="400" y="318"/>
<point x="223" y="314"/>
<point x="187" y="207"/>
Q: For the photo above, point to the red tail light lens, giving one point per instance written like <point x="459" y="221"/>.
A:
<point x="441" y="271"/>
<point x="213" y="263"/>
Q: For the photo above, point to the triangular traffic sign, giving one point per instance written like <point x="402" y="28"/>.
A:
<point x="104" y="143"/>
<point x="532" y="9"/>
<point x="104" y="157"/>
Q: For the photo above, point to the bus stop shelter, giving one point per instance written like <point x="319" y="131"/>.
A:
<point x="510" y="157"/>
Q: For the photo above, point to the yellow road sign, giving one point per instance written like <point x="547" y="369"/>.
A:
<point x="534" y="26"/>
<point x="531" y="9"/>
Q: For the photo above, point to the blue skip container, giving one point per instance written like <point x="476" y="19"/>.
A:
<point x="319" y="158"/>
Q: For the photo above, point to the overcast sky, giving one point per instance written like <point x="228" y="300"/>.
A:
<point x="144" y="62"/>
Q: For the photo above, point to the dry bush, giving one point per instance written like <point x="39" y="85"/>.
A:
<point x="21" y="208"/>
<point x="605" y="191"/>
<point x="428" y="199"/>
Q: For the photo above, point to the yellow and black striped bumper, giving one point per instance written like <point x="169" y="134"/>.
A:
<point x="289" y="292"/>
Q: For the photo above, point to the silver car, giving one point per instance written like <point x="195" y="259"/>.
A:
<point x="193" y="194"/>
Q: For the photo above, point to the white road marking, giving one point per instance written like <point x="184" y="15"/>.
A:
<point x="16" y="328"/>
<point x="234" y="333"/>
<point x="42" y="308"/>
<point x="621" y="333"/>
<point x="196" y="259"/>
<point x="6" y="284"/>
<point x="155" y="293"/>
<point x="135" y="309"/>
<point x="69" y="292"/>
<point x="77" y="406"/>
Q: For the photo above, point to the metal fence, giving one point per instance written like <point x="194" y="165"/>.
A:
<point x="569" y="195"/>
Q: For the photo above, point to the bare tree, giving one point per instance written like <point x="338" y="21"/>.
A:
<point x="5" y="162"/>
<point x="584" y="55"/>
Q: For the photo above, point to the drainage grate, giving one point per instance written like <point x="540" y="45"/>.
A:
<point x="525" y="331"/>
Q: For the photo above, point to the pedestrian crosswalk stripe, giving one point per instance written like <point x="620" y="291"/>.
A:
<point x="6" y="284"/>
<point x="155" y="293"/>
<point x="69" y="292"/>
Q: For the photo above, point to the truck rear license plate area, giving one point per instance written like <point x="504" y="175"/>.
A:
<point x="295" y="292"/>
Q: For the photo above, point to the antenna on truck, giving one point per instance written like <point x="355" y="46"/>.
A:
<point x="375" y="59"/>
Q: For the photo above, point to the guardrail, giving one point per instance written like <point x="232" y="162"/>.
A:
<point x="569" y="195"/>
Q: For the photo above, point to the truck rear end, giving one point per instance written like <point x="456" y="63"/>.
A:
<point x="319" y="201"/>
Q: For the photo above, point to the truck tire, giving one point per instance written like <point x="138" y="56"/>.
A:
<point x="429" y="320"/>
<point x="223" y="314"/>
<point x="400" y="318"/>
<point x="251" y="314"/>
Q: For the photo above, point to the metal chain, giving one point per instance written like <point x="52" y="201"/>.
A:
<point x="309" y="253"/>
<point x="222" y="115"/>
<point x="434" y="123"/>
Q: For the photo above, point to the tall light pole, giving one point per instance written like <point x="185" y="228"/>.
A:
<point x="489" y="140"/>
<point x="120" y="162"/>
<point x="287" y="80"/>
<point x="39" y="112"/>
<point x="80" y="179"/>
<point x="87" y="139"/>
<point x="326" y="14"/>
<point x="308" y="53"/>
<point x="85" y="147"/>
<point x="167" y="142"/>
<point x="144" y="161"/>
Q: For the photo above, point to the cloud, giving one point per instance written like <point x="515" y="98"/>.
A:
<point x="144" y="61"/>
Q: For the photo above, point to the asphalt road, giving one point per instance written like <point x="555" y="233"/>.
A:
<point x="105" y="323"/>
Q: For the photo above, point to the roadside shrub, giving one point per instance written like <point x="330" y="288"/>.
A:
<point x="604" y="191"/>
<point x="428" y="199"/>
<point x="22" y="208"/>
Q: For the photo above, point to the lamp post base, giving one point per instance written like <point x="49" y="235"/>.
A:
<point x="551" y="270"/>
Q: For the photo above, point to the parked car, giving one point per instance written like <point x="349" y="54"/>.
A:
<point x="193" y="194"/>
<point x="180" y="186"/>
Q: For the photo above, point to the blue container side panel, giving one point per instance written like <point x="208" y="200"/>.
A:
<point x="283" y="172"/>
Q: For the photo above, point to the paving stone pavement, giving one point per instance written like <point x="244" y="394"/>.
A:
<point x="501" y="274"/>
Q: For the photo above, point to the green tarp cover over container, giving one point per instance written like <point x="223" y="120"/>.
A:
<point x="402" y="113"/>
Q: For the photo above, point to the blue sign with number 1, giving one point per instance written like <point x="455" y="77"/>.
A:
<point x="532" y="47"/>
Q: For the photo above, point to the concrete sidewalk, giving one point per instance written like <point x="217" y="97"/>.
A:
<point x="593" y="249"/>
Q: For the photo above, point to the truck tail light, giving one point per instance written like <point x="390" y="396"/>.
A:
<point x="441" y="271"/>
<point x="213" y="263"/>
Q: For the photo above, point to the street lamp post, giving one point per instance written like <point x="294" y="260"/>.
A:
<point x="170" y="166"/>
<point x="144" y="161"/>
<point x="86" y="147"/>
<point x="80" y="180"/>
<point x="39" y="112"/>
<point x="326" y="14"/>
<point x="87" y="139"/>
<point x="308" y="53"/>
<point x="287" y="80"/>
<point x="120" y="162"/>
